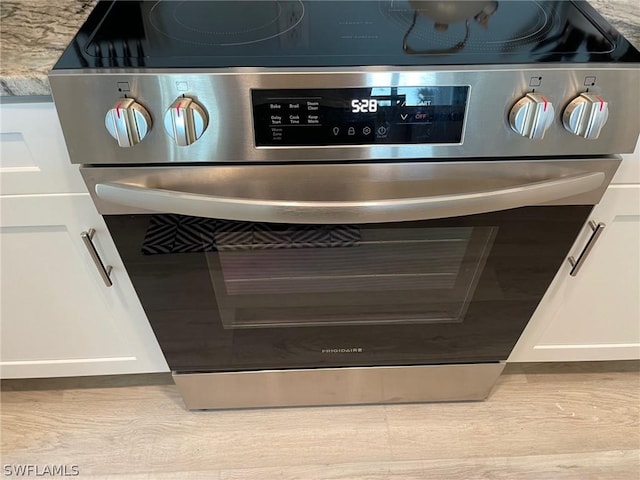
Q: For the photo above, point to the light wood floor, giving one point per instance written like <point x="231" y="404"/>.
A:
<point x="579" y="421"/>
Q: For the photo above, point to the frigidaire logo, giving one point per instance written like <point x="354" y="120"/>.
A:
<point x="342" y="350"/>
<point x="29" y="470"/>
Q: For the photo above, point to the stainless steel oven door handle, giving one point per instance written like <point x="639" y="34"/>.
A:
<point x="334" y="212"/>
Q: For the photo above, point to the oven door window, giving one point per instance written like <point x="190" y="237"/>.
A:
<point x="267" y="275"/>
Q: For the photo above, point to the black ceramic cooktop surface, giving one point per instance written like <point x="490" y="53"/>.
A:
<point x="318" y="33"/>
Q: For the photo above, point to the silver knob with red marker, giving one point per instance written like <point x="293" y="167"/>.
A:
<point x="585" y="115"/>
<point x="185" y="121"/>
<point x="531" y="116"/>
<point x="128" y="122"/>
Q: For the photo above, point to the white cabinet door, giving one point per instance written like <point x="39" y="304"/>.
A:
<point x="629" y="170"/>
<point x="33" y="155"/>
<point x="596" y="314"/>
<point x="57" y="316"/>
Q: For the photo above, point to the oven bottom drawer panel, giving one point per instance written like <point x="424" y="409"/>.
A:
<point x="337" y="386"/>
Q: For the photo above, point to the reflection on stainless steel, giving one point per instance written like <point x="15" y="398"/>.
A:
<point x="337" y="386"/>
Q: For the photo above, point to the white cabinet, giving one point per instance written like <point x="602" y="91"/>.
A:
<point x="33" y="155"/>
<point x="596" y="314"/>
<point x="57" y="317"/>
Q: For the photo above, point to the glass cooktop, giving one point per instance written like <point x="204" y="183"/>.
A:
<point x="293" y="33"/>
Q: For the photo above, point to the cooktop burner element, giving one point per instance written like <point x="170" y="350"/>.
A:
<point x="299" y="33"/>
<point x="243" y="23"/>
<point x="439" y="27"/>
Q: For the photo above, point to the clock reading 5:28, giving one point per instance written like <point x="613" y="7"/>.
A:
<point x="364" y="105"/>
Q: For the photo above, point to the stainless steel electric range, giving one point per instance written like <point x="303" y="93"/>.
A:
<point x="344" y="202"/>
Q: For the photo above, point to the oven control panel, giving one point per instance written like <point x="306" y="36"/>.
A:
<point x="359" y="116"/>
<point x="288" y="116"/>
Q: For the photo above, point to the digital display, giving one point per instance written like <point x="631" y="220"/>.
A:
<point x="363" y="105"/>
<point x="359" y="116"/>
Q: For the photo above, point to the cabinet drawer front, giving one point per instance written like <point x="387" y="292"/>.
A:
<point x="33" y="151"/>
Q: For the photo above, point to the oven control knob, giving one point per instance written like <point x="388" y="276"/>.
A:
<point x="531" y="116"/>
<point x="185" y="121"/>
<point x="586" y="115"/>
<point x="128" y="122"/>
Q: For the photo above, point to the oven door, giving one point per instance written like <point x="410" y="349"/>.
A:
<point x="286" y="267"/>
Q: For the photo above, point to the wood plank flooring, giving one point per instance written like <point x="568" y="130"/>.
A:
<point x="543" y="421"/>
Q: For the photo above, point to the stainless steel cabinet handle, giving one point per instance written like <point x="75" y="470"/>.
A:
<point x="87" y="238"/>
<point x="335" y="212"/>
<point x="577" y="264"/>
